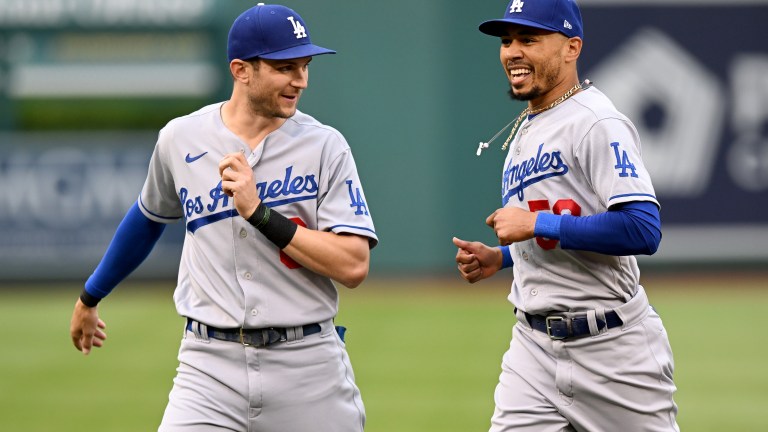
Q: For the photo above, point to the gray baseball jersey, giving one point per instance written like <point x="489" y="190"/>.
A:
<point x="581" y="157"/>
<point x="582" y="162"/>
<point x="230" y="275"/>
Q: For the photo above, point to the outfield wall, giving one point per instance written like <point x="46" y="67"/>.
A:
<point x="414" y="87"/>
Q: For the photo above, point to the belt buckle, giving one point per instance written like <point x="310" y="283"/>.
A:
<point x="242" y="338"/>
<point x="268" y="337"/>
<point x="548" y="322"/>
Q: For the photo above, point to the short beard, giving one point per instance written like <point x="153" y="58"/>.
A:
<point x="551" y="73"/>
<point x="533" y="94"/>
<point x="266" y="108"/>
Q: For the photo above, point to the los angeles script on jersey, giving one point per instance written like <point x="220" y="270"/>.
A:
<point x="527" y="172"/>
<point x="274" y="193"/>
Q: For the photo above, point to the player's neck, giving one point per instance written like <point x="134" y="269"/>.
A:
<point x="252" y="129"/>
<point x="553" y="95"/>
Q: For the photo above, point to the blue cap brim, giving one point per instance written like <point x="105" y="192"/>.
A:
<point x="305" y="50"/>
<point x="498" y="27"/>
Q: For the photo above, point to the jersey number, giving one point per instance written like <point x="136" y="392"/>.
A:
<point x="284" y="258"/>
<point x="561" y="206"/>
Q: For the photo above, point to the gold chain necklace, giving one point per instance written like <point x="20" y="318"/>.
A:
<point x="529" y="111"/>
<point x="526" y="112"/>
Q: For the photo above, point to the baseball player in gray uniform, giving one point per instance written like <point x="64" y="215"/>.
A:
<point x="588" y="353"/>
<point x="274" y="212"/>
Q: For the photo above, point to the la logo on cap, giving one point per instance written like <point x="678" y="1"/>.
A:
<point x="298" y="29"/>
<point x="517" y="6"/>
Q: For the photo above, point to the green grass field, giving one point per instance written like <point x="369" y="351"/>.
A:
<point x="426" y="354"/>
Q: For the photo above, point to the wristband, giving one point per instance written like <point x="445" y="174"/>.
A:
<point x="506" y="257"/>
<point x="88" y="299"/>
<point x="276" y="228"/>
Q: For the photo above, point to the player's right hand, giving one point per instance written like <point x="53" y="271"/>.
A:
<point x="86" y="329"/>
<point x="237" y="181"/>
<point x="512" y="224"/>
<point x="477" y="261"/>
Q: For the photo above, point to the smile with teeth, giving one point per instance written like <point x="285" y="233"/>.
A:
<point x="518" y="75"/>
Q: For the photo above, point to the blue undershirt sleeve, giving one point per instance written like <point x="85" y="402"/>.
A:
<point x="632" y="228"/>
<point x="133" y="241"/>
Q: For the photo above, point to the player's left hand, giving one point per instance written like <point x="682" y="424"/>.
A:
<point x="512" y="224"/>
<point x="237" y="182"/>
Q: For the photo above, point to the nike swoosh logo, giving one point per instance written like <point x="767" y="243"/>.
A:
<point x="191" y="159"/>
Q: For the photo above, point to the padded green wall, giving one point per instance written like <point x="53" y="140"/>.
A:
<point x="414" y="88"/>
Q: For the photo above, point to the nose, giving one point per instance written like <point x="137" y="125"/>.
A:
<point x="301" y="79"/>
<point x="511" y="51"/>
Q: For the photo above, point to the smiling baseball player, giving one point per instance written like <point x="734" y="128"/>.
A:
<point x="274" y="211"/>
<point x="588" y="353"/>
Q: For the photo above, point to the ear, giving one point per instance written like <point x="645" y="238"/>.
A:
<point x="572" y="49"/>
<point x="240" y="71"/>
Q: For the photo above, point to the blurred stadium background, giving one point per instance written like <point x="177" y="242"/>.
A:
<point x="86" y="84"/>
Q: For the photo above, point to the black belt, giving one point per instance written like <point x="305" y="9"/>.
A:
<point x="254" y="337"/>
<point x="559" y="327"/>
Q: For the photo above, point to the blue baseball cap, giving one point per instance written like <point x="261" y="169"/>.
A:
<point x="560" y="16"/>
<point x="271" y="32"/>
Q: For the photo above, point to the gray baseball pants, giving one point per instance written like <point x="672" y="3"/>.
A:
<point x="618" y="379"/>
<point x="302" y="385"/>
